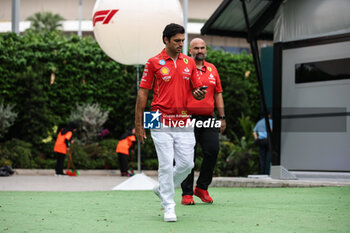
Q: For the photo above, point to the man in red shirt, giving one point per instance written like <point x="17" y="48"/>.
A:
<point x="208" y="137"/>
<point x="172" y="76"/>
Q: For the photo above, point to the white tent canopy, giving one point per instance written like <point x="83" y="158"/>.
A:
<point x="300" y="19"/>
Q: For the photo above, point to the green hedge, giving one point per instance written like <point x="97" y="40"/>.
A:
<point x="83" y="73"/>
<point x="240" y="91"/>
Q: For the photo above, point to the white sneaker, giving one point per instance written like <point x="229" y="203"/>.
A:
<point x="169" y="214"/>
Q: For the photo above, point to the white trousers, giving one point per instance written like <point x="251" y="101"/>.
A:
<point x="173" y="144"/>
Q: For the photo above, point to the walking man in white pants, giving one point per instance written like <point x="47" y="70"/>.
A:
<point x="172" y="76"/>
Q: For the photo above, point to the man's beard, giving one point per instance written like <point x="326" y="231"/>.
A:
<point x="200" y="57"/>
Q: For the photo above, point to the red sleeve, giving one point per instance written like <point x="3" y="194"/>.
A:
<point x="195" y="79"/>
<point x="218" y="88"/>
<point x="147" y="76"/>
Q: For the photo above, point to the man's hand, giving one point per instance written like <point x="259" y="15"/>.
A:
<point x="255" y="136"/>
<point x="223" y="125"/>
<point x="139" y="108"/>
<point x="140" y="133"/>
<point x="198" y="94"/>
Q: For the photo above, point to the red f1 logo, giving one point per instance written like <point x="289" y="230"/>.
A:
<point x="105" y="16"/>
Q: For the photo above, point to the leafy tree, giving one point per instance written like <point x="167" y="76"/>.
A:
<point x="239" y="158"/>
<point x="33" y="107"/>
<point x="72" y="70"/>
<point x="45" y="21"/>
<point x="16" y="153"/>
<point x="240" y="88"/>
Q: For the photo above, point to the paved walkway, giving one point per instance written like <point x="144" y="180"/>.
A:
<point x="105" y="180"/>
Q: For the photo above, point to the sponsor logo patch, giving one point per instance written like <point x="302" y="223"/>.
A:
<point x="210" y="69"/>
<point x="166" y="78"/>
<point x="164" y="70"/>
<point x="186" y="71"/>
<point x="162" y="62"/>
<point x="186" y="61"/>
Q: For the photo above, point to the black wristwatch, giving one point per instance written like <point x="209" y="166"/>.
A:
<point x="222" y="117"/>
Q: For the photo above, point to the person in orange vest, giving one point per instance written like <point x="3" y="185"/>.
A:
<point x="126" y="146"/>
<point x="63" y="141"/>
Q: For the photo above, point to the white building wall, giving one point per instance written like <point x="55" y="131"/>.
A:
<point x="198" y="12"/>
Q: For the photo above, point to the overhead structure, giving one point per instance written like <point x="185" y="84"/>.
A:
<point x="324" y="18"/>
<point x="251" y="20"/>
<point x="229" y="19"/>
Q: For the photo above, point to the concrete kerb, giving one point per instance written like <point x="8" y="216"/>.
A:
<point x="101" y="172"/>
<point x="272" y="183"/>
<point x="217" y="181"/>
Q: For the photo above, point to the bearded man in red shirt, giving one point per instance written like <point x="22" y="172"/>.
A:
<point x="207" y="137"/>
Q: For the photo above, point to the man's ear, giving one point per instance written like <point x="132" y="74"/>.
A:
<point x="166" y="40"/>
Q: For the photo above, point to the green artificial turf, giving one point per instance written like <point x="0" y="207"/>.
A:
<point x="279" y="210"/>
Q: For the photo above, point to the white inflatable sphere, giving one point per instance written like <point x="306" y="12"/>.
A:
<point x="130" y="31"/>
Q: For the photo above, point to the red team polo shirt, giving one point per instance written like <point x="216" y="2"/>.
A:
<point x="209" y="76"/>
<point x="172" y="83"/>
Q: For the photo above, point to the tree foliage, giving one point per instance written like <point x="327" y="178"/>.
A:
<point x="240" y="87"/>
<point x="45" y="22"/>
<point x="45" y="75"/>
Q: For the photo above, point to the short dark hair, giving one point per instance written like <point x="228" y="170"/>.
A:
<point x="171" y="30"/>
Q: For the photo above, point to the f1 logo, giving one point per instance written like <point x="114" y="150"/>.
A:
<point x="151" y="120"/>
<point x="105" y="16"/>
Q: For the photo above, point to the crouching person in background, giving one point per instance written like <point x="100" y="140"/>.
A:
<point x="125" y="148"/>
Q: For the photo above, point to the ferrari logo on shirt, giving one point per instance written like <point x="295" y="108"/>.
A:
<point x="210" y="69"/>
<point x="164" y="70"/>
<point x="186" y="61"/>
